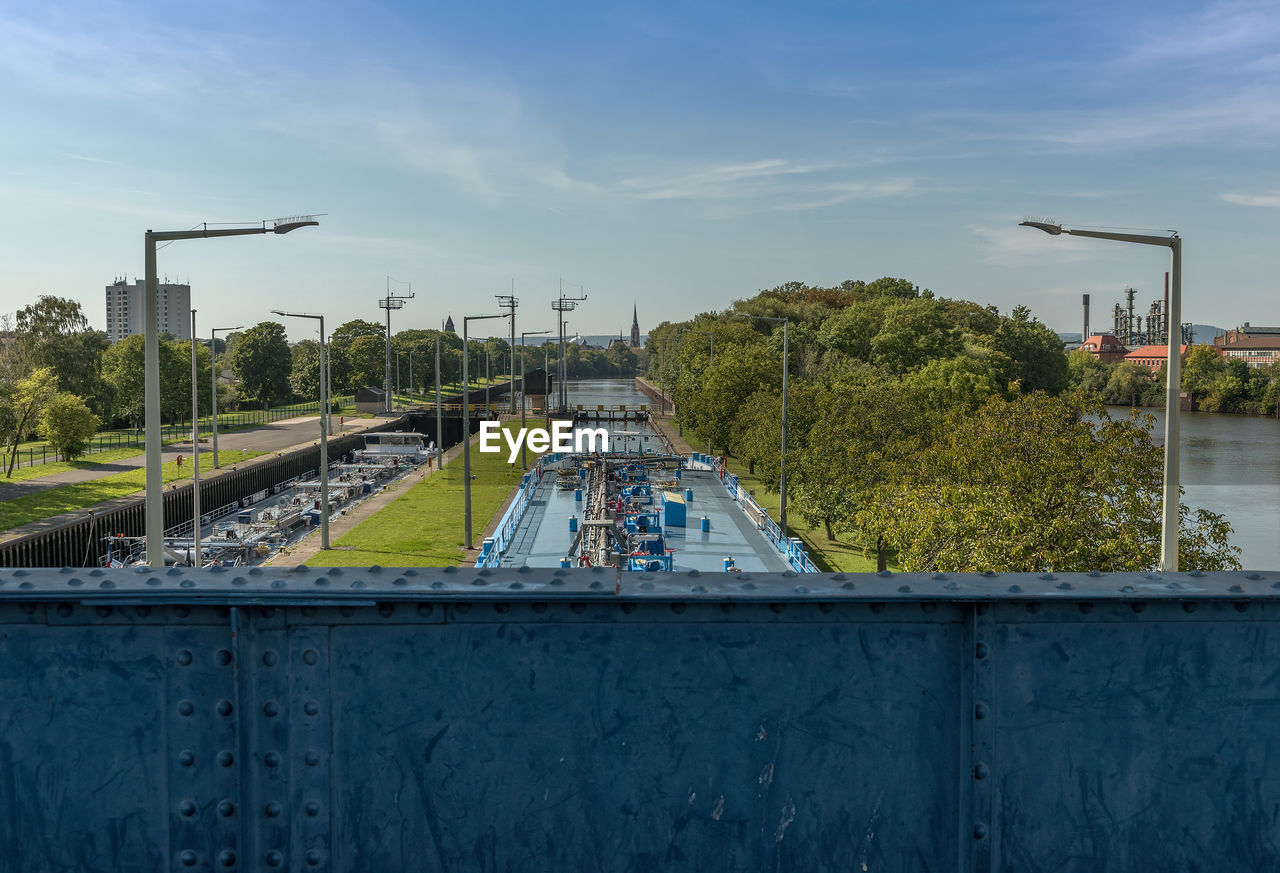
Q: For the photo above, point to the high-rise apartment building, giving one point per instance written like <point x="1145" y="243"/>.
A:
<point x="125" y="309"/>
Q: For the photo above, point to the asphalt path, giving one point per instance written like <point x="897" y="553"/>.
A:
<point x="265" y="438"/>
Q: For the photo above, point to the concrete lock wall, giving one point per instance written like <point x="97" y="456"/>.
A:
<point x="584" y="720"/>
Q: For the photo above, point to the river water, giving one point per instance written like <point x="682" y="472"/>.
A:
<point x="1230" y="465"/>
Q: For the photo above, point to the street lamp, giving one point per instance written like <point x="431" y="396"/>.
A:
<point x="510" y="301"/>
<point x="439" y="414"/>
<point x="151" y="362"/>
<point x="324" y="429"/>
<point x="195" y="449"/>
<point x="466" y="429"/>
<point x="524" y="457"/>
<point x="1173" y="382"/>
<point x="782" y="458"/>
<point x="390" y="302"/>
<point x="213" y="379"/>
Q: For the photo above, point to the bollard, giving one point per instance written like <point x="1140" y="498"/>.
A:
<point x="573" y="524"/>
<point x="706" y="524"/>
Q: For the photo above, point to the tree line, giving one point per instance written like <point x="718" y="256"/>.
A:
<point x="62" y="380"/>
<point x="1215" y="383"/>
<point x="937" y="430"/>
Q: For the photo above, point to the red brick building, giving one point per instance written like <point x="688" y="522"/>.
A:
<point x="1105" y="348"/>
<point x="1152" y="356"/>
<point x="1256" y="351"/>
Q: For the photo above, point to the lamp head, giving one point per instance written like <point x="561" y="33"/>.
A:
<point x="1047" y="225"/>
<point x="284" y="225"/>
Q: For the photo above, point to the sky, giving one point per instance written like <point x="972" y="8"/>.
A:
<point x="675" y="155"/>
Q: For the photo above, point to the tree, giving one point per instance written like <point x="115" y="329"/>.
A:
<point x="1086" y="371"/>
<point x="1038" y="483"/>
<point x="342" y="365"/>
<point x="123" y="371"/>
<point x="262" y="362"/>
<point x="366" y="362"/>
<point x="914" y="333"/>
<point x="304" y="378"/>
<point x="1035" y="350"/>
<point x="68" y="424"/>
<point x="1201" y="368"/>
<point x="53" y="332"/>
<point x="961" y="381"/>
<point x="1126" y="384"/>
<point x="26" y="401"/>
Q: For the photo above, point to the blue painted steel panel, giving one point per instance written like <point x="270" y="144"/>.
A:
<point x="564" y="720"/>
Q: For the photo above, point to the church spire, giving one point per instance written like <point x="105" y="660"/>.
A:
<point x="635" y="327"/>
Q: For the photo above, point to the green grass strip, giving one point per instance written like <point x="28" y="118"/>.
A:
<point x="829" y="556"/>
<point x="423" y="527"/>
<point x="39" y="471"/>
<point x="79" y="495"/>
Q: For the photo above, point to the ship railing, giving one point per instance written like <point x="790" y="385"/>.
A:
<point x="791" y="548"/>
<point x="494" y="547"/>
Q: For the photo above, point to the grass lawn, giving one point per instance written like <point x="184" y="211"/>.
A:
<point x="37" y="471"/>
<point x="830" y="556"/>
<point x="79" y="495"/>
<point x="423" y="526"/>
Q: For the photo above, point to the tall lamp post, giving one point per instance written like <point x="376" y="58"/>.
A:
<point x="782" y="458"/>
<point x="195" y="448"/>
<point x="390" y="302"/>
<point x="213" y="379"/>
<point x="324" y="429"/>
<point x="466" y="430"/>
<point x="524" y="456"/>
<point x="1173" y="386"/>
<point x="439" y="413"/>
<point x="151" y="363"/>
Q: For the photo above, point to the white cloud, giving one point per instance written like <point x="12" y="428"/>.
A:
<point x="1271" y="200"/>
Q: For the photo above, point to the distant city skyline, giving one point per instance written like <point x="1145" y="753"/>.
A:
<point x="677" y="157"/>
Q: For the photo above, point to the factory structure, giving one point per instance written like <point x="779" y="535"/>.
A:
<point x="1143" y="339"/>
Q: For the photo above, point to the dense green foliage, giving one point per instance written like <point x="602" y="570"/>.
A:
<point x="937" y="430"/>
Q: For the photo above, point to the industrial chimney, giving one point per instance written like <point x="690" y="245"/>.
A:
<point x="1085" y="334"/>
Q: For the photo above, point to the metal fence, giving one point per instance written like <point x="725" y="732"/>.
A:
<point x="227" y="422"/>
<point x="457" y="719"/>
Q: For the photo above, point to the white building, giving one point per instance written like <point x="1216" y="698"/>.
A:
<point x="125" y="309"/>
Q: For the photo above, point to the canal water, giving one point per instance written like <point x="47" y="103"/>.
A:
<point x="1230" y="465"/>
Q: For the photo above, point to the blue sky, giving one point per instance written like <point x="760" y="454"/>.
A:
<point x="681" y="155"/>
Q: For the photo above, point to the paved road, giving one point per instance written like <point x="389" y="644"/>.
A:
<point x="266" y="438"/>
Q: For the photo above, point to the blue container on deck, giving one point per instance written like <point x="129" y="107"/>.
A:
<point x="573" y="524"/>
<point x="688" y="495"/>
<point x="728" y="563"/>
<point x="706" y="524"/>
<point x="673" y="509"/>
<point x="577" y="494"/>
<point x="678" y="471"/>
<point x="564" y="562"/>
<point x="582" y="472"/>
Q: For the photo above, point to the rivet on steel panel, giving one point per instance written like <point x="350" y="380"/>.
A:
<point x="188" y="858"/>
<point x="106" y="583"/>
<point x="646" y="586"/>
<point x="27" y="585"/>
<point x="800" y="589"/>
<point x="979" y="711"/>
<point x="271" y="709"/>
<point x="849" y="586"/>
<point x="1253" y="577"/>
<point x="271" y="759"/>
<point x="278" y="583"/>
<point x="1065" y="586"/>
<point x="187" y="808"/>
<point x="226" y="809"/>
<point x="1015" y="589"/>
<point x="186" y="757"/>
<point x="904" y="589"/>
<point x="75" y="582"/>
<point x="312" y="759"/>
<point x="375" y="569"/>
<point x="185" y="708"/>
<point x="225" y="758"/>
<point x="1127" y="589"/>
<point x="184" y="657"/>
<point x="310" y="657"/>
<point x="311" y="707"/>
<point x="311" y="808"/>
<point x="980" y="650"/>
<point x="224" y="708"/>
<point x="227" y="858"/>
<point x="314" y="857"/>
<point x="321" y="583"/>
<point x="187" y="583"/>
<point x="980" y="771"/>
<point x="1236" y="589"/>
<point x="272" y="810"/>
<point x="400" y="582"/>
<point x="270" y="658"/>
<point x="153" y="582"/>
<point x="699" y="589"/>
<point x="274" y="858"/>
<point x="239" y="580"/>
<point x="359" y="584"/>
<point x="979" y="831"/>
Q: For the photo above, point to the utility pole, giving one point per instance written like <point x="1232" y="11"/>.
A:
<point x="390" y="302"/>
<point x="509" y="301"/>
<point x="439" y="415"/>
<point x="561" y="306"/>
